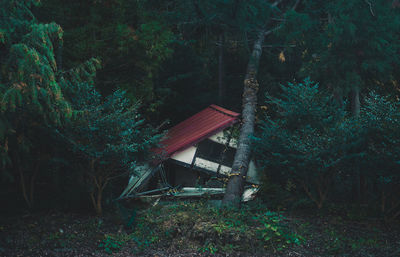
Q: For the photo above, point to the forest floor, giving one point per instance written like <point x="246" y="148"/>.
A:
<point x="193" y="229"/>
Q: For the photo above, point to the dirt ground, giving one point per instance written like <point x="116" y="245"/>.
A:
<point x="71" y="234"/>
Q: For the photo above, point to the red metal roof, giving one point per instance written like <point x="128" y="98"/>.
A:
<point x="202" y="125"/>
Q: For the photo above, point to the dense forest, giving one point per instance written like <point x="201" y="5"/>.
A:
<point x="90" y="88"/>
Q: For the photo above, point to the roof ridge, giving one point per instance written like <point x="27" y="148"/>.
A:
<point x="224" y="111"/>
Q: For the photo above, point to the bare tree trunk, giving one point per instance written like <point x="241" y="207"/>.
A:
<point x="221" y="69"/>
<point x="96" y="195"/>
<point x="238" y="173"/>
<point x="355" y="111"/>
<point x="28" y="185"/>
<point x="23" y="188"/>
<point x="355" y="102"/>
<point x="98" y="184"/>
<point x="237" y="176"/>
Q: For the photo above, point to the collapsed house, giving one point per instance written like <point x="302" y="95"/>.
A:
<point x="195" y="159"/>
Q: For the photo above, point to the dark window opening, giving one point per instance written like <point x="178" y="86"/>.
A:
<point x="215" y="152"/>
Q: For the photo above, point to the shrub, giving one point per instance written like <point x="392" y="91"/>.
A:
<point x="307" y="141"/>
<point x="111" y="244"/>
<point x="275" y="233"/>
<point x="110" y="136"/>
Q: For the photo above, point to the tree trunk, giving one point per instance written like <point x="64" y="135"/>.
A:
<point x="98" y="184"/>
<point x="238" y="173"/>
<point x="28" y="185"/>
<point x="221" y="69"/>
<point x="96" y="195"/>
<point x="355" y="102"/>
<point x="27" y="182"/>
<point x="357" y="178"/>
<point x="99" y="209"/>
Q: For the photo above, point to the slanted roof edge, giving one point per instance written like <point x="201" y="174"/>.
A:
<point x="213" y="132"/>
<point x="207" y="117"/>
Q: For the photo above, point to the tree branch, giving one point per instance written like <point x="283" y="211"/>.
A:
<point x="271" y="30"/>
<point x="296" y="4"/>
<point x="275" y="4"/>
<point x="370" y="7"/>
<point x="273" y="46"/>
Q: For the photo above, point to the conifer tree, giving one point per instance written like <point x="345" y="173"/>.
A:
<point x="31" y="89"/>
<point x="130" y="40"/>
<point x="241" y="161"/>
<point x="348" y="46"/>
<point x="305" y="140"/>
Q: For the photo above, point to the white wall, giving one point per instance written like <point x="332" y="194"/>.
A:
<point x="187" y="156"/>
<point x="206" y="164"/>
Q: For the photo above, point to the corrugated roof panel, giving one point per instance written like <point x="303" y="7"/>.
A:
<point x="202" y="125"/>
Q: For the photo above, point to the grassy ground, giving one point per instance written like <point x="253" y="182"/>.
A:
<point x="196" y="229"/>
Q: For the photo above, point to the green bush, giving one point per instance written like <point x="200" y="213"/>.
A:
<point x="111" y="244"/>
<point x="306" y="142"/>
<point x="274" y="232"/>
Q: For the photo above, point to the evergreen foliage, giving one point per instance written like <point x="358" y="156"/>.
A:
<point x="309" y="144"/>
<point x="109" y="135"/>
<point x="345" y="44"/>
<point x="306" y="143"/>
<point x="31" y="94"/>
<point x="130" y="40"/>
<point x="203" y="29"/>
<point x="381" y="163"/>
<point x="39" y="98"/>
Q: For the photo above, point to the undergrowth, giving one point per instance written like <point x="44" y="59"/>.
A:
<point x="253" y="229"/>
<point x="206" y="228"/>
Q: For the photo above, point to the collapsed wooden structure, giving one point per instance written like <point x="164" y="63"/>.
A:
<point x="195" y="158"/>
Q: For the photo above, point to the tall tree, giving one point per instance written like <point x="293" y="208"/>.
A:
<point x="241" y="161"/>
<point x="31" y="90"/>
<point x="349" y="46"/>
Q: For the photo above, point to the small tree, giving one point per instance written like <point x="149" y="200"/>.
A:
<point x="111" y="136"/>
<point x="306" y="141"/>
